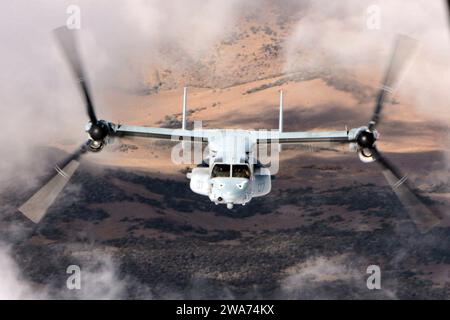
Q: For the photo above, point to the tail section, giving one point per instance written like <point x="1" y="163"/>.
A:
<point x="280" y="126"/>
<point x="183" y="123"/>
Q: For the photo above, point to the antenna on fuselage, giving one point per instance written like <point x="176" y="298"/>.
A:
<point x="280" y="125"/>
<point x="183" y="123"/>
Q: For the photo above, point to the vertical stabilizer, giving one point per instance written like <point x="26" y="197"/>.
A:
<point x="183" y="123"/>
<point x="280" y="126"/>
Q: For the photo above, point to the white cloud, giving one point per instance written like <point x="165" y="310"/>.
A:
<point x="12" y="285"/>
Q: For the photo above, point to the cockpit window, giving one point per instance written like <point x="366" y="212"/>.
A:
<point x="220" y="171"/>
<point x="241" y="171"/>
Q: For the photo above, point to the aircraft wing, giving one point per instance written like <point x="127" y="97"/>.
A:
<point x="262" y="137"/>
<point x="304" y="137"/>
<point x="160" y="133"/>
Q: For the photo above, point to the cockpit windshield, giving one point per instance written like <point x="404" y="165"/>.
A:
<point x="221" y="170"/>
<point x="241" y="171"/>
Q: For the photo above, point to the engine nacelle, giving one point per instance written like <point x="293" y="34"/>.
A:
<point x="366" y="156"/>
<point x="200" y="181"/>
<point x="365" y="140"/>
<point x="98" y="134"/>
<point x="96" y="146"/>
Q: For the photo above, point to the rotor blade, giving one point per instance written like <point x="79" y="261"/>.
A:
<point x="36" y="207"/>
<point x="404" y="49"/>
<point x="68" y="43"/>
<point x="421" y="215"/>
<point x="448" y="9"/>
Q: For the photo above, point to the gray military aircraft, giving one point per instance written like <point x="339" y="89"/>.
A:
<point x="231" y="174"/>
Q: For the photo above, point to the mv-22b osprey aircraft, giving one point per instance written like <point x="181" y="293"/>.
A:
<point x="230" y="175"/>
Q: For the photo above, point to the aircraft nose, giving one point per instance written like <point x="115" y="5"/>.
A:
<point x="230" y="191"/>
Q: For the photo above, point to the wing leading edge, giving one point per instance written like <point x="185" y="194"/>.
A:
<point x="305" y="137"/>
<point x="160" y="133"/>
